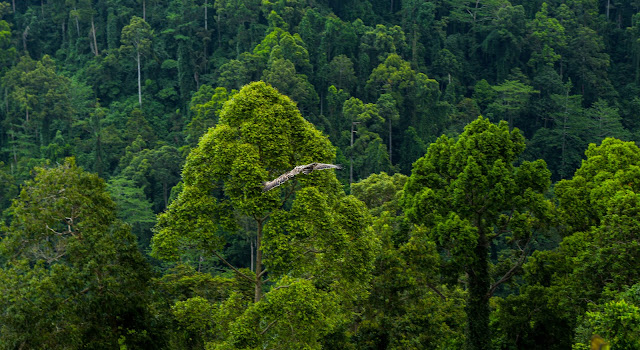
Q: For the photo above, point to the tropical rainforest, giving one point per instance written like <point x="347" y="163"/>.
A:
<point x="489" y="196"/>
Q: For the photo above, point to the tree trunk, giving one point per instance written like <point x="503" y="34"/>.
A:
<point x="206" y="26"/>
<point x="144" y="10"/>
<point x="351" y="155"/>
<point x="564" y="136"/>
<point x="77" y="22"/>
<point x="477" y="307"/>
<point x="258" y="286"/>
<point x="165" y="194"/>
<point x="414" y="47"/>
<point x="25" y="34"/>
<point x="390" y="149"/>
<point x="13" y="148"/>
<point x="98" y="166"/>
<point x="139" y="80"/>
<point x="219" y="35"/>
<point x="95" y="42"/>
<point x="251" y="251"/>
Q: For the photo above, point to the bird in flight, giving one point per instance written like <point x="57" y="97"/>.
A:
<point x="305" y="169"/>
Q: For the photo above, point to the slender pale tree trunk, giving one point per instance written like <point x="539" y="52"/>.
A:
<point x="77" y="22"/>
<point x="390" y="149"/>
<point x="219" y="35"/>
<point x="258" y="287"/>
<point x="25" y="34"/>
<point x="351" y="156"/>
<point x="206" y="26"/>
<point x="139" y="80"/>
<point x="95" y="42"/>
<point x="251" y="251"/>
<point x="564" y="136"/>
<point x="13" y="147"/>
<point x="144" y="10"/>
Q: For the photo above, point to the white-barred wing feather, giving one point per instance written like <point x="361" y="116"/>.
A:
<point x="305" y="169"/>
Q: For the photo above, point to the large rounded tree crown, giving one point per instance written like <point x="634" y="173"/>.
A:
<point x="309" y="236"/>
<point x="260" y="136"/>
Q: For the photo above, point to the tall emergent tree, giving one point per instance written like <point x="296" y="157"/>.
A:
<point x="471" y="197"/>
<point x="136" y="38"/>
<point x="310" y="239"/>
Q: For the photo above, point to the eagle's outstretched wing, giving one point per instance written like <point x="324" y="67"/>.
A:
<point x="305" y="169"/>
<point x="322" y="166"/>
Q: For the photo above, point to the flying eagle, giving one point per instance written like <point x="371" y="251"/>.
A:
<point x="305" y="169"/>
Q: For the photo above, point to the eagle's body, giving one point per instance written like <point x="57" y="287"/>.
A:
<point x="305" y="169"/>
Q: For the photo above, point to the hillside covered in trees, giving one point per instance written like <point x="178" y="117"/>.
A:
<point x="489" y="196"/>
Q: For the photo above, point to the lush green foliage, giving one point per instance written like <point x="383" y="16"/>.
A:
<point x="442" y="230"/>
<point x="72" y="274"/>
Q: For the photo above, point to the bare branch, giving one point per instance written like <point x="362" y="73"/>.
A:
<point x="512" y="270"/>
<point x="278" y="287"/>
<point x="268" y="326"/>
<point x="75" y="295"/>
<point x="433" y="288"/>
<point x="233" y="267"/>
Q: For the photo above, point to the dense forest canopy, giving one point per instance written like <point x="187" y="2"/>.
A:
<point x="489" y="197"/>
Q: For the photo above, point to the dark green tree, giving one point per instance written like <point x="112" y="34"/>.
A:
<point x="72" y="275"/>
<point x="469" y="194"/>
<point x="407" y="307"/>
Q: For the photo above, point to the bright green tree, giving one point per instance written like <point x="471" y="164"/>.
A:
<point x="310" y="239"/>
<point x="470" y="196"/>
<point x="580" y="284"/>
<point x="618" y="321"/>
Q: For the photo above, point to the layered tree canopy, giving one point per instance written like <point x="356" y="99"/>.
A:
<point x="310" y="239"/>
<point x="487" y="197"/>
